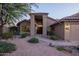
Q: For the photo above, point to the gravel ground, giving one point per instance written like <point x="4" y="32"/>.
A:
<point x="40" y="49"/>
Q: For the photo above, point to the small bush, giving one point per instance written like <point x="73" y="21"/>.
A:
<point x="54" y="37"/>
<point x="60" y="48"/>
<point x="7" y="47"/>
<point x="7" y="35"/>
<point x="23" y="34"/>
<point x="50" y="33"/>
<point x="33" y="40"/>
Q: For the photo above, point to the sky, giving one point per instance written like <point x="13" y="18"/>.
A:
<point x="57" y="10"/>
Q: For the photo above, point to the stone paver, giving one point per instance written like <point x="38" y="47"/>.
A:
<point x="40" y="49"/>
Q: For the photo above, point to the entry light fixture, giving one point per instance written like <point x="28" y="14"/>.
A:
<point x="67" y="27"/>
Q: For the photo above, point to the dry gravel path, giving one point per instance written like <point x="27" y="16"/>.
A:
<point x="40" y="49"/>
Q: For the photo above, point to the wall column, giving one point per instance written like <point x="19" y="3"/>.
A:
<point x="44" y="25"/>
<point x="32" y="25"/>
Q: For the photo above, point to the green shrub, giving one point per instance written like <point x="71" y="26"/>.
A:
<point x="7" y="47"/>
<point x="50" y="33"/>
<point x="23" y="34"/>
<point x="7" y="35"/>
<point x="54" y="37"/>
<point x="60" y="48"/>
<point x="33" y="40"/>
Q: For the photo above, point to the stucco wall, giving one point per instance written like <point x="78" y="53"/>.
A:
<point x="6" y="28"/>
<point x="50" y="21"/>
<point x="66" y="32"/>
<point x="24" y="25"/>
<point x="59" y="30"/>
<point x="73" y="33"/>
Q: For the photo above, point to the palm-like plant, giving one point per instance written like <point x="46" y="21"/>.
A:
<point x="11" y="12"/>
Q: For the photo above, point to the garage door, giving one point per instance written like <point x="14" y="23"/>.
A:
<point x="74" y="33"/>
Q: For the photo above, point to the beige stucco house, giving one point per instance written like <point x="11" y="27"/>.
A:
<point x="66" y="28"/>
<point x="37" y="24"/>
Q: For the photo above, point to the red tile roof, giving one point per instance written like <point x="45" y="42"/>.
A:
<point x="72" y="17"/>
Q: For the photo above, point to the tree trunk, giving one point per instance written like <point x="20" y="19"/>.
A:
<point x="1" y="21"/>
<point x="1" y="27"/>
<point x="1" y="30"/>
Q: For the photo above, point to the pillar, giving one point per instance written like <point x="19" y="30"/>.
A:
<point x="32" y="26"/>
<point x="44" y="25"/>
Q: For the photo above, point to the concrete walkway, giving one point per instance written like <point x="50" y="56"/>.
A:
<point x="57" y="43"/>
<point x="40" y="49"/>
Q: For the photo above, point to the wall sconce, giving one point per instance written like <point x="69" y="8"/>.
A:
<point x="67" y="27"/>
